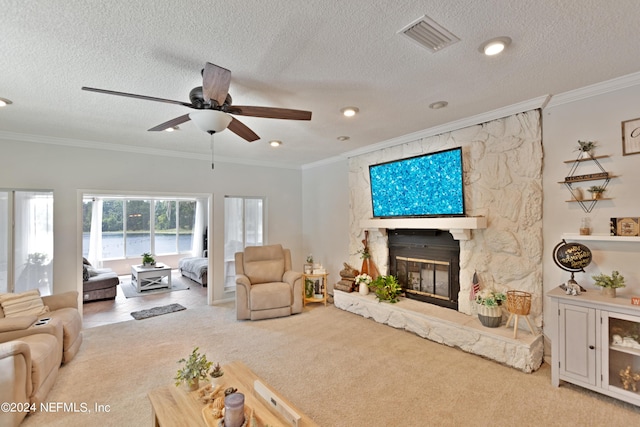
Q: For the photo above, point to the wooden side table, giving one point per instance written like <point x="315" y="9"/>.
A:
<point x="314" y="288"/>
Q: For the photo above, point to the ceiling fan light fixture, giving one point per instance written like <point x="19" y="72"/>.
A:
<point x="210" y="121"/>
<point x="275" y="143"/>
<point x="494" y="46"/>
<point x="172" y="128"/>
<point x="4" y="102"/>
<point x="349" y="111"/>
<point x="438" y="105"/>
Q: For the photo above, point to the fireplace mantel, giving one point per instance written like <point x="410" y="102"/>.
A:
<point x="459" y="227"/>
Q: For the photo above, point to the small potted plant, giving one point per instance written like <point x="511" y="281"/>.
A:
<point x="609" y="284"/>
<point x="216" y="373"/>
<point x="386" y="288"/>
<point x="586" y="146"/>
<point x="596" y="191"/>
<point x="363" y="281"/>
<point x="308" y="266"/>
<point x="194" y="369"/>
<point x="148" y="260"/>
<point x="489" y="307"/>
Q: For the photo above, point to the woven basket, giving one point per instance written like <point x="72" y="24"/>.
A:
<point x="519" y="302"/>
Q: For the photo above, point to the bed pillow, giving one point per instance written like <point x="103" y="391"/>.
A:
<point x="23" y="304"/>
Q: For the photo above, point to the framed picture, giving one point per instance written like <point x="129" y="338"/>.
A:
<point x="631" y="137"/>
<point x="625" y="226"/>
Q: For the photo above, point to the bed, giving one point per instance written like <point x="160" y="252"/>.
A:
<point x="194" y="268"/>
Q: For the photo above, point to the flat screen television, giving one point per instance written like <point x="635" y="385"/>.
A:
<point x="429" y="185"/>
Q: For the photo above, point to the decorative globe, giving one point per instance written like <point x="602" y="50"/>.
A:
<point x="571" y="256"/>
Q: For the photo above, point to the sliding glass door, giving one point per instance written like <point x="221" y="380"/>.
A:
<point x="26" y="257"/>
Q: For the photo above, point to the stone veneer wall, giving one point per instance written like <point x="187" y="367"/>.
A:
<point x="503" y="182"/>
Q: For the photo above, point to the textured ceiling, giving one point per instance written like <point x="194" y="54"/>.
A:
<point x="317" y="55"/>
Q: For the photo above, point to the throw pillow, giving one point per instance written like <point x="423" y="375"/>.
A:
<point x="85" y="273"/>
<point x="92" y="271"/>
<point x="24" y="304"/>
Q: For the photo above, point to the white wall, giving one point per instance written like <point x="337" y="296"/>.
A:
<point x="597" y="118"/>
<point x="325" y="211"/>
<point x="66" y="170"/>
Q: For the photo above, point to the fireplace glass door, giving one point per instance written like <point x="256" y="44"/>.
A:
<point x="424" y="277"/>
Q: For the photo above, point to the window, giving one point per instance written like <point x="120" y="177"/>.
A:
<point x="26" y="251"/>
<point x="243" y="226"/>
<point x="134" y="225"/>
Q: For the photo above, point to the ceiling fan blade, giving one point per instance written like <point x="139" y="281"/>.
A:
<point x="215" y="83"/>
<point x="171" y="123"/>
<point x="242" y="130"/>
<point x="133" y="95"/>
<point x="270" y="113"/>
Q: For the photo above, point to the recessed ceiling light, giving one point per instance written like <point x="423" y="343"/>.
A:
<point x="343" y="138"/>
<point x="438" y="105"/>
<point x="172" y="128"/>
<point x="4" y="102"/>
<point x="494" y="46"/>
<point x="275" y="143"/>
<point x="349" y="111"/>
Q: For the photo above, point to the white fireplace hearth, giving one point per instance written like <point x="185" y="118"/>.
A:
<point x="449" y="327"/>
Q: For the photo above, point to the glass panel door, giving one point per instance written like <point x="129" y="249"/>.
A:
<point x="4" y="241"/>
<point x="33" y="241"/>
<point x="621" y="363"/>
<point x="243" y="226"/>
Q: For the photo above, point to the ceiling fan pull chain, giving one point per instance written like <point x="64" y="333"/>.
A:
<point x="212" y="151"/>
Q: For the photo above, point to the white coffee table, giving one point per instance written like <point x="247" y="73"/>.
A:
<point x="146" y="278"/>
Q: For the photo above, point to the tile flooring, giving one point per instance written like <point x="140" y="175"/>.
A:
<point x="98" y="313"/>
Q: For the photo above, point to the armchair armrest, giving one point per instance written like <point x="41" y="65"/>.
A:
<point x="291" y="277"/>
<point x="243" y="280"/>
<point x="10" y="324"/>
<point x="63" y="300"/>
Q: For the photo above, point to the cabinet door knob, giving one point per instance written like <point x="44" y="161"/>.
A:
<point x="591" y="347"/>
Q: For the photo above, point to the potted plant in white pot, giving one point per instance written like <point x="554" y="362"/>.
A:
<point x="489" y="304"/>
<point x="609" y="284"/>
<point x="194" y="369"/>
<point x="363" y="281"/>
<point x="148" y="260"/>
<point x="216" y="374"/>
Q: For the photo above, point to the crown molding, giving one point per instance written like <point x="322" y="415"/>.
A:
<point x="93" y="145"/>
<point x="595" y="90"/>
<point x="510" y="110"/>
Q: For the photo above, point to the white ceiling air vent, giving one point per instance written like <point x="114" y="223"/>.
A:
<point x="429" y="34"/>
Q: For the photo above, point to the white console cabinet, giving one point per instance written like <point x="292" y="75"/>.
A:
<point x="589" y="348"/>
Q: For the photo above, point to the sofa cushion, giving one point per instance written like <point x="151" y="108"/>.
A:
<point x="23" y="304"/>
<point x="72" y="327"/>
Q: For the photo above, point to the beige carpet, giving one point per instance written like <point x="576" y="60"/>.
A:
<point x="338" y="368"/>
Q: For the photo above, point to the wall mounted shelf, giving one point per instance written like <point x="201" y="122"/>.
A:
<point x="600" y="238"/>
<point x="572" y="178"/>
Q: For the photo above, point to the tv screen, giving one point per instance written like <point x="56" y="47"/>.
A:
<point x="422" y="186"/>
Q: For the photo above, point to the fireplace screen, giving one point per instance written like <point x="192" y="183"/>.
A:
<point x="424" y="276"/>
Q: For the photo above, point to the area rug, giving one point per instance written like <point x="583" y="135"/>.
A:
<point x="156" y="311"/>
<point x="130" y="290"/>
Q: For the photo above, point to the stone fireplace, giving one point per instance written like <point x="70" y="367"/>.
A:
<point x="427" y="265"/>
<point x="500" y="238"/>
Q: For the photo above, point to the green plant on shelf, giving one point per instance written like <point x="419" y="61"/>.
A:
<point x="616" y="280"/>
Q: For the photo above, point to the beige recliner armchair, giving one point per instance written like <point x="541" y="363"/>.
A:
<point x="266" y="286"/>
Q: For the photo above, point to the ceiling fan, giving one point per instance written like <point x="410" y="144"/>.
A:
<point x="213" y="102"/>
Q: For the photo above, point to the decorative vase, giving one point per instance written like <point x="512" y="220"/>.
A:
<point x="608" y="292"/>
<point x="193" y="385"/>
<point x="363" y="289"/>
<point x="491" y="317"/>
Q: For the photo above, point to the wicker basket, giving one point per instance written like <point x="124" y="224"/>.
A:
<point x="519" y="302"/>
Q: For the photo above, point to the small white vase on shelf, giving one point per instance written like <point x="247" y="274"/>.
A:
<point x="363" y="289"/>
